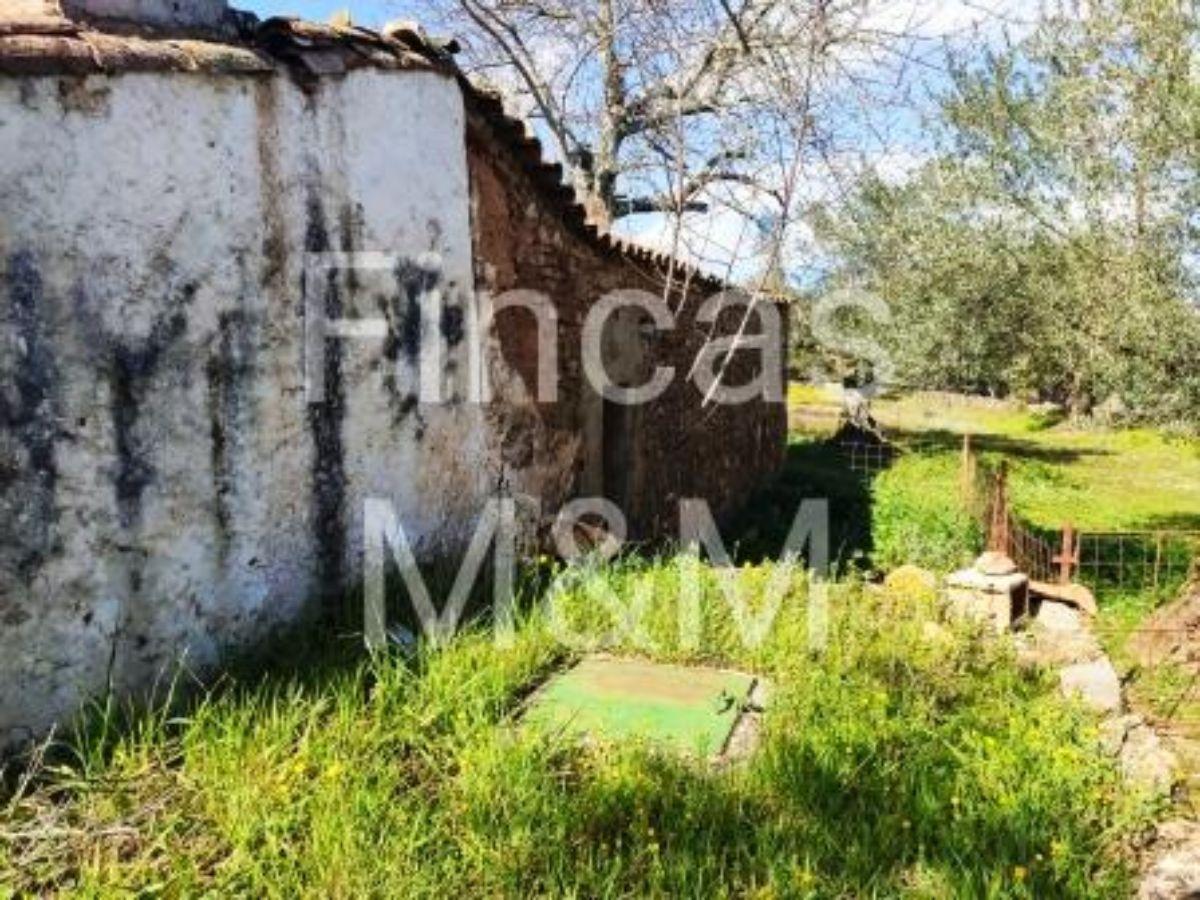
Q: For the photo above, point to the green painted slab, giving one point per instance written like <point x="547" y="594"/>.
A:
<point x="681" y="708"/>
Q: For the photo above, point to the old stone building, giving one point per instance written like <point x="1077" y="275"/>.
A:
<point x="169" y="487"/>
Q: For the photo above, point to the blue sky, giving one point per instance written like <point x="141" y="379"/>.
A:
<point x="364" y="12"/>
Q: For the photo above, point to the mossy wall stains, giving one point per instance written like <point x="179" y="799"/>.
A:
<point x="167" y="491"/>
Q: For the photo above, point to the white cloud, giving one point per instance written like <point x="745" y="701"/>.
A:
<point x="953" y="19"/>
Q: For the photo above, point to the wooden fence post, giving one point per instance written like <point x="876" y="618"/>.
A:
<point x="968" y="471"/>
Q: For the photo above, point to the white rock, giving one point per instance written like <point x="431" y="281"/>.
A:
<point x="1114" y="731"/>
<point x="1174" y="877"/>
<point x="1145" y="761"/>
<point x="1059" y="617"/>
<point x="1096" y="683"/>
<point x="995" y="564"/>
<point x="1175" y="874"/>
<point x="1043" y="646"/>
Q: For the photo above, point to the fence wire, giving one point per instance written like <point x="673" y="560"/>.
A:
<point x="1163" y="560"/>
<point x="1138" y="559"/>
<point x="869" y="458"/>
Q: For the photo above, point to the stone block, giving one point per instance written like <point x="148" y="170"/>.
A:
<point x="1058" y="617"/>
<point x="995" y="599"/>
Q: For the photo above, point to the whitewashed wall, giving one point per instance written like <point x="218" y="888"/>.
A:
<point x="165" y="489"/>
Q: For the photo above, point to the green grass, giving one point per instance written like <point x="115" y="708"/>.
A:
<point x="1098" y="479"/>
<point x="801" y="394"/>
<point x="1094" y="478"/>
<point x="904" y="759"/>
<point x="1137" y="480"/>
<point x="923" y="411"/>
<point x="919" y="516"/>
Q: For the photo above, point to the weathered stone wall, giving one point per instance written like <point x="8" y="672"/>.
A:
<point x="646" y="458"/>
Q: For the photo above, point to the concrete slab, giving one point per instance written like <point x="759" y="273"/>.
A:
<point x="681" y="708"/>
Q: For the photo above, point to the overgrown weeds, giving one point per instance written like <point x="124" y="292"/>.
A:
<point x="901" y="757"/>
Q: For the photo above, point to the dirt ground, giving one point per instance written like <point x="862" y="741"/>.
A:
<point x="1166" y="682"/>
<point x="1172" y="634"/>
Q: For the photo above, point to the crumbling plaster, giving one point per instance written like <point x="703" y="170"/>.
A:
<point x="167" y="491"/>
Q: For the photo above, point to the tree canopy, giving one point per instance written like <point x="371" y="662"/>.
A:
<point x="1049" y="246"/>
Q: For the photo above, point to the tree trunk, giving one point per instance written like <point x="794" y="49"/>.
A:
<point x="604" y="174"/>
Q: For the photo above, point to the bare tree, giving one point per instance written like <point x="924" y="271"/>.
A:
<point x="606" y="75"/>
<point x="651" y="102"/>
<point x="722" y="122"/>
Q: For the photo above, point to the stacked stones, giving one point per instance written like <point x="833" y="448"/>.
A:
<point x="1055" y="632"/>
<point x="1054" y="625"/>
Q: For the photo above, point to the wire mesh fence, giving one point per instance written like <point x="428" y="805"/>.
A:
<point x="1138" y="559"/>
<point x="868" y="458"/>
<point x="1127" y="560"/>
<point x="1158" y="559"/>
<point x="1164" y="560"/>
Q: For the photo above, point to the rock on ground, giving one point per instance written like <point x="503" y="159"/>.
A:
<point x="1174" y="872"/>
<point x="1076" y="595"/>
<point x="1096" y="683"/>
<point x="1145" y="761"/>
<point x="1059" y="617"/>
<point x="1049" y="646"/>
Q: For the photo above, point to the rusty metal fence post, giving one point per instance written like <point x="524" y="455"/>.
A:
<point x="999" y="530"/>
<point x="1067" y="559"/>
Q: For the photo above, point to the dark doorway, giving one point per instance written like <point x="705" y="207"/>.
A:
<point x="618" y="455"/>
